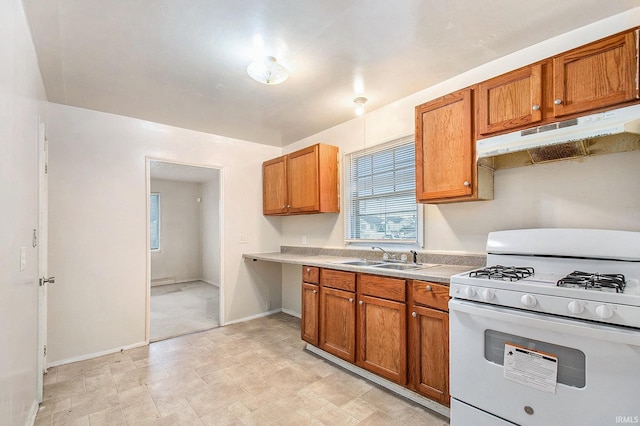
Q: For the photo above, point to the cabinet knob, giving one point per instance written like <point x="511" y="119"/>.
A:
<point x="467" y="183"/>
<point x="361" y="302"/>
<point x="413" y="314"/>
<point x="284" y="207"/>
<point x="557" y="102"/>
<point x="315" y="291"/>
<point x="428" y="288"/>
<point x="351" y="300"/>
<point x="535" y="107"/>
<point x="308" y="270"/>
<point x="288" y="206"/>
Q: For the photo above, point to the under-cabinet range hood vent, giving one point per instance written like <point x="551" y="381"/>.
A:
<point x="607" y="132"/>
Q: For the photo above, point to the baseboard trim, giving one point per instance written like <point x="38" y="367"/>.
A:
<point x="425" y="402"/>
<point x="252" y="317"/>
<point x="33" y="412"/>
<point x="292" y="313"/>
<point x="210" y="282"/>
<point x="96" y="354"/>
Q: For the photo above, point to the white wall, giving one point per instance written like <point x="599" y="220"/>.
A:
<point x="535" y="196"/>
<point x="180" y="255"/>
<point x="211" y="230"/>
<point x="21" y="102"/>
<point x="98" y="238"/>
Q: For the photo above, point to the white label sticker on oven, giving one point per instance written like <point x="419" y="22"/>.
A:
<point x="535" y="369"/>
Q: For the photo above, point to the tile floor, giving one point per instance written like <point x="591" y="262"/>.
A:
<point x="178" y="309"/>
<point x="251" y="373"/>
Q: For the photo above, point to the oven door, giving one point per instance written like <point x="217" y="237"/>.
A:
<point x="598" y="367"/>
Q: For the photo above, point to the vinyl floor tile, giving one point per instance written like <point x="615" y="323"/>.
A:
<point x="251" y="373"/>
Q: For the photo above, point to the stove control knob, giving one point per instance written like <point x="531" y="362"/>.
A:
<point x="528" y="300"/>
<point x="604" y="311"/>
<point x="575" y="307"/>
<point x="470" y="292"/>
<point x="487" y="294"/>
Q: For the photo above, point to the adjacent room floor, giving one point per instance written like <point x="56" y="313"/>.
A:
<point x="179" y="309"/>
<point x="251" y="373"/>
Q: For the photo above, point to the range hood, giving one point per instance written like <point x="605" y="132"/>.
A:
<point x="606" y="132"/>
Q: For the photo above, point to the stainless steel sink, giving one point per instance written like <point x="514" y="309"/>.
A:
<point x="398" y="266"/>
<point x="361" y="262"/>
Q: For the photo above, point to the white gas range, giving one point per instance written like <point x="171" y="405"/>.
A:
<point x="547" y="330"/>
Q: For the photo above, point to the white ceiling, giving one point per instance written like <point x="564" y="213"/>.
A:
<point x="183" y="62"/>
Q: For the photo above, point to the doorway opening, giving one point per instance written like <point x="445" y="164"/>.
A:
<point x="184" y="249"/>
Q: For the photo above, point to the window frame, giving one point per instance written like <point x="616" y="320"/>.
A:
<point x="349" y="204"/>
<point x="159" y="227"/>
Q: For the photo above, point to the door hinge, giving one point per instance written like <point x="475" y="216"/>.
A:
<point x="34" y="241"/>
<point x="45" y="350"/>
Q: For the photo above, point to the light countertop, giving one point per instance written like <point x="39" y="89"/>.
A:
<point x="440" y="273"/>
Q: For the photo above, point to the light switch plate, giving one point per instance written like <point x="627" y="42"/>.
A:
<point x="23" y="258"/>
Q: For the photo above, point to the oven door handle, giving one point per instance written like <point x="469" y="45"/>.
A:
<point x="627" y="336"/>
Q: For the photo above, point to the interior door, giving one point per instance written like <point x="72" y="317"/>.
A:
<point x="41" y="240"/>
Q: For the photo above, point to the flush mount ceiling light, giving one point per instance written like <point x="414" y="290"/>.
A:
<point x="267" y="71"/>
<point x="360" y="101"/>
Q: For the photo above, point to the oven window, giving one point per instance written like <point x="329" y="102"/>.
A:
<point x="571" y="362"/>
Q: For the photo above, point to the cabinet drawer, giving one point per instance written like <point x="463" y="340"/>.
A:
<point x="338" y="279"/>
<point x="311" y="274"/>
<point x="383" y="287"/>
<point x="430" y="294"/>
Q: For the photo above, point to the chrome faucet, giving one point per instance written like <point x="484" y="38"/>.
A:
<point x="389" y="255"/>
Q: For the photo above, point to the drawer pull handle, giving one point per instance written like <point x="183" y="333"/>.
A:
<point x="428" y="288"/>
<point x="413" y="314"/>
<point x="308" y="270"/>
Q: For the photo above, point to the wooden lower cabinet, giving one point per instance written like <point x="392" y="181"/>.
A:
<point x="338" y="323"/>
<point x="310" y="310"/>
<point x="429" y="353"/>
<point x="429" y="340"/>
<point x="392" y="327"/>
<point x="382" y="326"/>
<point x="382" y="338"/>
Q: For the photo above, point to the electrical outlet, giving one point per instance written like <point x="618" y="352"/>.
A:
<point x="243" y="239"/>
<point x="304" y="239"/>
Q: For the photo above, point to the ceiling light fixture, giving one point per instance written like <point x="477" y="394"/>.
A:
<point x="267" y="71"/>
<point x="360" y="101"/>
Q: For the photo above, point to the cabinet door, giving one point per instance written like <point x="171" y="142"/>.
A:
<point x="382" y="338"/>
<point x="510" y="101"/>
<point x="303" y="180"/>
<point x="597" y="75"/>
<point x="429" y="353"/>
<point x="445" y="147"/>
<point x="310" y="310"/>
<point x="338" y="323"/>
<point x="274" y="186"/>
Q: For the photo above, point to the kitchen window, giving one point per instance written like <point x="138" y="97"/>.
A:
<point x="381" y="194"/>
<point x="154" y="213"/>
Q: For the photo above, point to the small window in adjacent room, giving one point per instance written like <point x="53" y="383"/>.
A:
<point x="381" y="194"/>
<point x="154" y="209"/>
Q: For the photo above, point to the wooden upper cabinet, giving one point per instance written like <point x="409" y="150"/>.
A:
<point x="597" y="75"/>
<point x="446" y="169"/>
<point x="510" y="101"/>
<point x="305" y="181"/>
<point x="274" y="186"/>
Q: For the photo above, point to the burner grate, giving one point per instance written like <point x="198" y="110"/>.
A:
<point x="595" y="281"/>
<point x="505" y="273"/>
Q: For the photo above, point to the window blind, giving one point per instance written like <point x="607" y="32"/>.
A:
<point x="381" y="194"/>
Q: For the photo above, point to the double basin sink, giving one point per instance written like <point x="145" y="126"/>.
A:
<point x="381" y="264"/>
